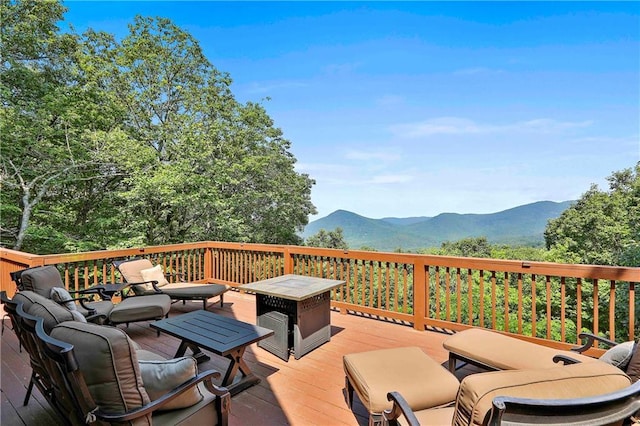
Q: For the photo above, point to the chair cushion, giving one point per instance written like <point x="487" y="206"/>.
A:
<point x="130" y="270"/>
<point x="633" y="369"/>
<point x="51" y="313"/>
<point x="160" y="377"/>
<point x="477" y="391"/>
<point x="504" y="352"/>
<point x="108" y="362"/>
<point x="619" y="355"/>
<point x="202" y="413"/>
<point x="422" y="382"/>
<point x="140" y="308"/>
<point x="193" y="290"/>
<point x="62" y="297"/>
<point x="41" y="279"/>
<point x="154" y="274"/>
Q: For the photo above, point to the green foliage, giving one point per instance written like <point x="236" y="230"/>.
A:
<point x="603" y="227"/>
<point x="137" y="142"/>
<point x="328" y="239"/>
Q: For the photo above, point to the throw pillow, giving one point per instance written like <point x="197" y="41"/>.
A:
<point x="62" y="296"/>
<point x="619" y="355"/>
<point x="160" y="377"/>
<point x="77" y="316"/>
<point x="633" y="369"/>
<point x="154" y="274"/>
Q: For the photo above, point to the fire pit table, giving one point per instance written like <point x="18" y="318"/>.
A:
<point x="297" y="308"/>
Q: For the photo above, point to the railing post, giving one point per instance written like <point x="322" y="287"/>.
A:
<point x="419" y="292"/>
<point x="288" y="261"/>
<point x="208" y="263"/>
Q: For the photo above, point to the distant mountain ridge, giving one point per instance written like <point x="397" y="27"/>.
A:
<point x="519" y="225"/>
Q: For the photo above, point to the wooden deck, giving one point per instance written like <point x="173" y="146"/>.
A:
<point x="308" y="391"/>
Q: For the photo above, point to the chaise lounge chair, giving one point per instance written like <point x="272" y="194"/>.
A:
<point x="495" y="351"/>
<point x="46" y="282"/>
<point x="145" y="278"/>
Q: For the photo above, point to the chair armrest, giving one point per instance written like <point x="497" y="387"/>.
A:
<point x="223" y="400"/>
<point x="566" y="360"/>
<point x="82" y="301"/>
<point x="400" y="408"/>
<point x="153" y="283"/>
<point x="591" y="338"/>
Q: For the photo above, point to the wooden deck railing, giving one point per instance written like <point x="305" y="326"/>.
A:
<point x="545" y="302"/>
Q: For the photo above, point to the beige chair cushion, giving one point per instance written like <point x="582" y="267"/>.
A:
<point x="139" y="308"/>
<point x="109" y="365"/>
<point x="422" y="382"/>
<point x="477" y="391"/>
<point x="160" y="377"/>
<point x="503" y="352"/>
<point x="51" y="313"/>
<point x="130" y="270"/>
<point x="41" y="279"/>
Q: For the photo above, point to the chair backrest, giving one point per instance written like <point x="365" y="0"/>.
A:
<point x="40" y="279"/>
<point x="600" y="410"/>
<point x="130" y="271"/>
<point x="53" y="364"/>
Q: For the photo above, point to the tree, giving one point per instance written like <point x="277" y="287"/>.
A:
<point x="603" y="227"/>
<point x="328" y="239"/>
<point x="46" y="124"/>
<point x="113" y="144"/>
<point x="199" y="164"/>
<point x="468" y="247"/>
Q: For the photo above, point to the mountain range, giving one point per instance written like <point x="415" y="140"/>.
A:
<point x="522" y="225"/>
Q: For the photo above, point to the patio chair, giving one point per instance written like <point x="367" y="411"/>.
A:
<point x="495" y="351"/>
<point x="145" y="278"/>
<point x="91" y="374"/>
<point x="583" y="393"/>
<point x="45" y="281"/>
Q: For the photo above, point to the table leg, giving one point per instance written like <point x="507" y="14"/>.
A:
<point x="237" y="363"/>
<point x="197" y="352"/>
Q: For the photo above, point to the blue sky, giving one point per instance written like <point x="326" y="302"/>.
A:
<point x="418" y="108"/>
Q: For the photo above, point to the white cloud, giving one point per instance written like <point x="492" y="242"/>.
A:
<point x="463" y="126"/>
<point x="361" y="155"/>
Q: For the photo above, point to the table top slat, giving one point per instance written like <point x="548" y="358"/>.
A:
<point x="219" y="334"/>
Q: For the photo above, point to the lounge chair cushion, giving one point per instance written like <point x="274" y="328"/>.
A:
<point x="477" y="391"/>
<point x="619" y="355"/>
<point x="130" y="270"/>
<point x="136" y="308"/>
<point x="633" y="369"/>
<point x="41" y="279"/>
<point x="109" y="365"/>
<point x="153" y="274"/>
<point x="62" y="297"/>
<point x="503" y="352"/>
<point x="37" y="305"/>
<point x="160" y="377"/>
<point x="422" y="382"/>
